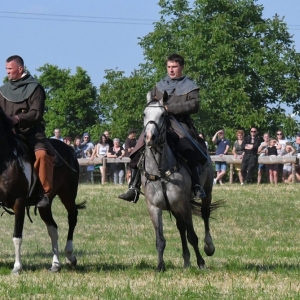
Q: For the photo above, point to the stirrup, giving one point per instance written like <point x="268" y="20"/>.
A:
<point x="132" y="195"/>
<point x="199" y="192"/>
<point x="44" y="202"/>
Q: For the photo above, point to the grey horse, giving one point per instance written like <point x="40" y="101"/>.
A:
<point x="167" y="186"/>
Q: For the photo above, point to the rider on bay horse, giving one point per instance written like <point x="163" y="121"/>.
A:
<point x="183" y="101"/>
<point x="22" y="99"/>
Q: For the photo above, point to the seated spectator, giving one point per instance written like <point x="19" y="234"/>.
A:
<point x="287" y="167"/>
<point x="117" y="169"/>
<point x="222" y="149"/>
<point x="237" y="151"/>
<point x="101" y="150"/>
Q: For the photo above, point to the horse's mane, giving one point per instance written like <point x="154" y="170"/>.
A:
<point x="6" y="132"/>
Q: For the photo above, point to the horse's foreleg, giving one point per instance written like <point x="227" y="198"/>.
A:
<point x="156" y="218"/>
<point x="182" y="230"/>
<point x="19" y="210"/>
<point x="70" y="257"/>
<point x="209" y="247"/>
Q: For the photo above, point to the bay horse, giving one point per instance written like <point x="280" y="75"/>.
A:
<point x="20" y="188"/>
<point x="167" y="186"/>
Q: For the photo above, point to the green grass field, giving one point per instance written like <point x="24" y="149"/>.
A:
<point x="256" y="236"/>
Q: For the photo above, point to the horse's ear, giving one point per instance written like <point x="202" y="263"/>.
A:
<point x="149" y="97"/>
<point x="165" y="97"/>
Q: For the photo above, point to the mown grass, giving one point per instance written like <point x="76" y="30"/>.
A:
<point x="256" y="237"/>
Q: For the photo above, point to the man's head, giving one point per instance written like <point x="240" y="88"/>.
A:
<point x="253" y="132"/>
<point x="175" y="66"/>
<point x="131" y="133"/>
<point x="57" y="133"/>
<point x="86" y="137"/>
<point x="107" y="134"/>
<point x="14" y="67"/>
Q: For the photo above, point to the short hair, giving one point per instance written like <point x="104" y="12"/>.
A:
<point x="177" y="58"/>
<point x="240" y="132"/>
<point x="116" y="140"/>
<point x="18" y="59"/>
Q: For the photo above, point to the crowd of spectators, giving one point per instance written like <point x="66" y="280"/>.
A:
<point x="104" y="147"/>
<point x="248" y="148"/>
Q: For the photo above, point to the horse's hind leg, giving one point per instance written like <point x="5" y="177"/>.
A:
<point x="209" y="247"/>
<point x="182" y="230"/>
<point x="156" y="218"/>
<point x="193" y="240"/>
<point x="46" y="215"/>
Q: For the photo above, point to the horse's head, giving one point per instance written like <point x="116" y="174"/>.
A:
<point x="155" y="120"/>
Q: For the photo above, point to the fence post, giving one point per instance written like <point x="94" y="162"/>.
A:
<point x="231" y="173"/>
<point x="103" y="178"/>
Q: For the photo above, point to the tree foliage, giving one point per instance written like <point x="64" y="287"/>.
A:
<point x="123" y="100"/>
<point x="246" y="66"/>
<point x="71" y="103"/>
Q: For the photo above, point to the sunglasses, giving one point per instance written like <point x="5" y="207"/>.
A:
<point x="279" y="133"/>
<point x="253" y="131"/>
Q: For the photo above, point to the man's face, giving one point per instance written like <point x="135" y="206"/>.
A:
<point x="14" y="71"/>
<point x="57" y="133"/>
<point x="253" y="132"/>
<point x="174" y="69"/>
<point x="107" y="134"/>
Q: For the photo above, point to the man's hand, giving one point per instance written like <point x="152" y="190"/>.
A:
<point x="13" y="120"/>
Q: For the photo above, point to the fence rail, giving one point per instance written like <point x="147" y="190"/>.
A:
<point x="230" y="159"/>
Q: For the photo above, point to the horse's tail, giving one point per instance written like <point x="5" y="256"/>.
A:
<point x="81" y="205"/>
<point x="204" y="211"/>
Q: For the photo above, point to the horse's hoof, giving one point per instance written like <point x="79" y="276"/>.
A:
<point x="16" y="271"/>
<point x="72" y="264"/>
<point x="209" y="249"/>
<point x="55" y="268"/>
<point x="201" y="267"/>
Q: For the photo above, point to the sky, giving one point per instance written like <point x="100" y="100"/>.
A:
<point x="94" y="34"/>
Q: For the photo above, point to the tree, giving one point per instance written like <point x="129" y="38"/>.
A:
<point x="71" y="103"/>
<point x="246" y="66"/>
<point x="123" y="100"/>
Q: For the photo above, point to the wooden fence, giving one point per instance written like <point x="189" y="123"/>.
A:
<point x="229" y="159"/>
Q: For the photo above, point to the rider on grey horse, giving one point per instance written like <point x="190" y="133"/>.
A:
<point x="183" y="101"/>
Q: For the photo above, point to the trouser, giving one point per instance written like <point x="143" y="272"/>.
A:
<point x="44" y="165"/>
<point x="248" y="165"/>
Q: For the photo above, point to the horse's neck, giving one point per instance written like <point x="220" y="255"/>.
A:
<point x="159" y="160"/>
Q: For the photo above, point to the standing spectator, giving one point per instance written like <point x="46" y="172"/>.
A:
<point x="109" y="140"/>
<point x="202" y="136"/>
<point x="86" y="145"/>
<point x="67" y="140"/>
<point x="282" y="141"/>
<point x="287" y="167"/>
<point x="129" y="145"/>
<point x="117" y="169"/>
<point x="77" y="147"/>
<point x="298" y="144"/>
<point x="272" y="149"/>
<point x="262" y="152"/>
<point x="90" y="168"/>
<point x="101" y="150"/>
<point x="250" y="147"/>
<point x="238" y="152"/>
<point x="57" y="135"/>
<point x="222" y="149"/>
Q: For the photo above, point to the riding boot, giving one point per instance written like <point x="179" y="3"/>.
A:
<point x="199" y="192"/>
<point x="44" y="166"/>
<point x="133" y="193"/>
